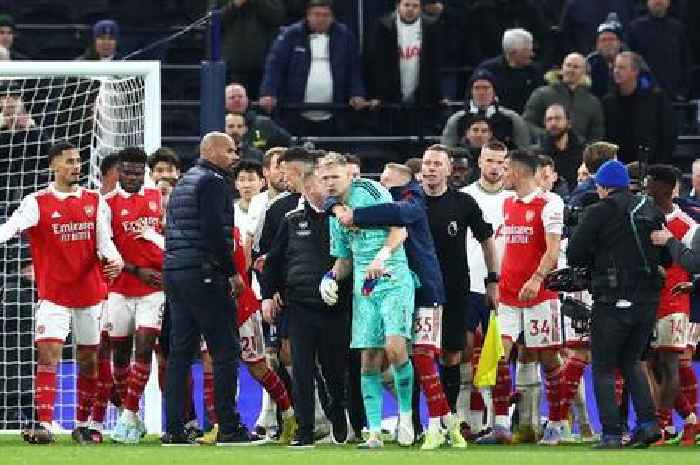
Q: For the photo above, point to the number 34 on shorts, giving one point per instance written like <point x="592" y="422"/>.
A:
<point x="427" y="327"/>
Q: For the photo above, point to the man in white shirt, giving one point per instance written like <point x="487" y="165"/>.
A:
<point x="489" y="193"/>
<point x="313" y="61"/>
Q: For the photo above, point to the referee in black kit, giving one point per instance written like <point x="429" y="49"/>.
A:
<point x="198" y="278"/>
<point x="450" y="214"/>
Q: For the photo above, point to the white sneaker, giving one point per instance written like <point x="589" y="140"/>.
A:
<point x="405" y="434"/>
<point x="374" y="441"/>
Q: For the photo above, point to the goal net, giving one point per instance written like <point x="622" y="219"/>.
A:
<point x="100" y="108"/>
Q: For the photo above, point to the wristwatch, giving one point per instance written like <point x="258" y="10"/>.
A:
<point x="491" y="277"/>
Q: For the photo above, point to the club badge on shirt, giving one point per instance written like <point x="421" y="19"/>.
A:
<point x="89" y="210"/>
<point x="452" y="228"/>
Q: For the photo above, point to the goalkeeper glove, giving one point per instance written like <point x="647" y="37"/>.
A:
<point x="329" y="289"/>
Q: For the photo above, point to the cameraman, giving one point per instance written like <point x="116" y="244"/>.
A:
<point x="613" y="239"/>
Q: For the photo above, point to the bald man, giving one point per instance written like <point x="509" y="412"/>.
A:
<point x="198" y="278"/>
<point x="570" y="87"/>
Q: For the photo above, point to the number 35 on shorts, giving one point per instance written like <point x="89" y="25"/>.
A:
<point x="427" y="327"/>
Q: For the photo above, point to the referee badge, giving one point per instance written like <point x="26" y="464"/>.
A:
<point x="452" y="228"/>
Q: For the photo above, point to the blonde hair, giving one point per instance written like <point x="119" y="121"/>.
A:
<point x="332" y="159"/>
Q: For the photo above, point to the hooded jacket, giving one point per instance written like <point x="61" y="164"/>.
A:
<point x="585" y="109"/>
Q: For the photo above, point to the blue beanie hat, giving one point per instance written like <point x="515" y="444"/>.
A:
<point x="612" y="174"/>
<point x="106" y="27"/>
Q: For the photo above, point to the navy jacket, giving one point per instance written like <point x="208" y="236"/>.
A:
<point x="199" y="224"/>
<point x="664" y="45"/>
<point x="409" y="210"/>
<point x="289" y="60"/>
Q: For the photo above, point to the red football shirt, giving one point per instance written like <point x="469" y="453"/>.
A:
<point x="526" y="223"/>
<point x="246" y="302"/>
<point x="128" y="212"/>
<point x="64" y="248"/>
<point x="683" y="228"/>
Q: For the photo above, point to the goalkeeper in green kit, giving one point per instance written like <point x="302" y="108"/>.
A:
<point x="383" y="294"/>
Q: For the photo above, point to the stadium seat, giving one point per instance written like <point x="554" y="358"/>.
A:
<point x="180" y="122"/>
<point x="46" y="12"/>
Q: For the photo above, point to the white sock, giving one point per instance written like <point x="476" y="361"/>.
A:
<point x="476" y="420"/>
<point x="465" y="390"/>
<point x="450" y="421"/>
<point x="129" y="416"/>
<point x="82" y="424"/>
<point x="434" y="424"/>
<point x="503" y="421"/>
<point x="268" y="409"/>
<point x="487" y="395"/>
<point x="579" y="403"/>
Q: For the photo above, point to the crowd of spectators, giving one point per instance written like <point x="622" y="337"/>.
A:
<point x="553" y="74"/>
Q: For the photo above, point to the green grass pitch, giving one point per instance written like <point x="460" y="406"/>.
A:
<point x="15" y="452"/>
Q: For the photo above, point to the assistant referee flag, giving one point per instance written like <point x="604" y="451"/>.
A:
<point x="491" y="353"/>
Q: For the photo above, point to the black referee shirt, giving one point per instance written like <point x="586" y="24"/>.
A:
<point x="450" y="214"/>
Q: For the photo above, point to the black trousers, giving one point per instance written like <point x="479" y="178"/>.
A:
<point x="318" y="334"/>
<point x="619" y="337"/>
<point x="201" y="308"/>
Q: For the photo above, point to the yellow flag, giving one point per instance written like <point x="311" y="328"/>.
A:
<point x="491" y="353"/>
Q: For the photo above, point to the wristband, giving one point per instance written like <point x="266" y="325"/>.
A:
<point x="492" y="278"/>
<point x="383" y="255"/>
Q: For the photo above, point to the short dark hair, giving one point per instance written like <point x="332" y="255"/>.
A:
<point x="249" y="166"/>
<point x="415" y="164"/>
<point x="545" y="160"/>
<point x="58" y="148"/>
<point x="165" y="155"/>
<point x="319" y="3"/>
<point x="297" y="154"/>
<point x="567" y="112"/>
<point x="665" y="174"/>
<point x="169" y="180"/>
<point x="440" y="148"/>
<point x="353" y="159"/>
<point x="469" y="120"/>
<point x="525" y="158"/>
<point x="132" y="155"/>
<point x="109" y="162"/>
<point x="496" y="145"/>
<point x="238" y="113"/>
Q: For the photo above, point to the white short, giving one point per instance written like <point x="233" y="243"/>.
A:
<point x="251" y="338"/>
<point x="250" y="334"/>
<point x="671" y="333"/>
<point x="693" y="335"/>
<point x="127" y="314"/>
<point x="427" y="327"/>
<point x="539" y="324"/>
<point x="52" y="322"/>
<point x="104" y="318"/>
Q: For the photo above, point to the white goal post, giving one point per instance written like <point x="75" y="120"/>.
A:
<point x="100" y="107"/>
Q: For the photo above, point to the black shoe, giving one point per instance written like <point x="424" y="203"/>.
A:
<point x="645" y="435"/>
<point x="304" y="441"/>
<point x="177" y="440"/>
<point x="38" y="434"/>
<point x="339" y="430"/>
<point x="608" y="442"/>
<point x="240" y="437"/>
<point x="193" y="432"/>
<point x="81" y="435"/>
